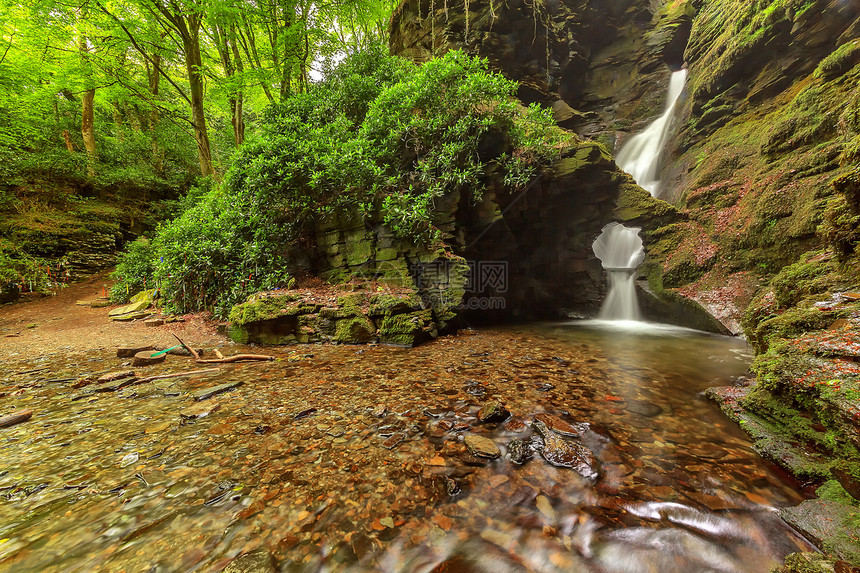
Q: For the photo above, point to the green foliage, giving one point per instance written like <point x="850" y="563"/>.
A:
<point x="380" y="139"/>
<point x="16" y="266"/>
<point x="134" y="268"/>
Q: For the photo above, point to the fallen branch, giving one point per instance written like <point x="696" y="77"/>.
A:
<point x="174" y="375"/>
<point x="235" y="358"/>
<point x="218" y="353"/>
<point x="188" y="348"/>
<point x="222" y="360"/>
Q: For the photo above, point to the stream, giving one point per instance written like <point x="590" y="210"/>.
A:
<point x="352" y="458"/>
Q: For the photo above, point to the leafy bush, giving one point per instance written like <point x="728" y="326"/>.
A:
<point x="379" y="138"/>
<point x="18" y="267"/>
<point x="135" y="266"/>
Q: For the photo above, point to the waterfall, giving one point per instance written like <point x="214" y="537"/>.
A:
<point x="639" y="157"/>
<point x="620" y="250"/>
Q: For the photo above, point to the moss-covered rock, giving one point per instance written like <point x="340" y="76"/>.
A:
<point x="407" y="329"/>
<point x="357" y="329"/>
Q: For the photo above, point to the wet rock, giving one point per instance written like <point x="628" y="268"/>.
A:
<point x="390" y="429"/>
<point x="828" y="524"/>
<point x="214" y="390"/>
<point x="146" y="358"/>
<point x="379" y="411"/>
<point x="476" y="390"/>
<point x="521" y="451"/>
<point x="564" y="454"/>
<point x="115" y="384"/>
<point x="129" y="351"/>
<point x="129" y="459"/>
<point x="545" y="387"/>
<point x="515" y="425"/>
<point x="473" y="461"/>
<point x="393" y="441"/>
<point x="451" y="486"/>
<point x="255" y="562"/>
<point x="304" y="413"/>
<point x="493" y="412"/>
<point x="481" y="447"/>
<point x="646" y="409"/>
<point x="199" y="411"/>
<point x="559" y="426"/>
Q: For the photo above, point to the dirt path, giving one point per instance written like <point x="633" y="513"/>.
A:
<point x="53" y="324"/>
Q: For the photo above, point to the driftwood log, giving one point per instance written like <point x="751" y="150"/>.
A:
<point x="15" y="418"/>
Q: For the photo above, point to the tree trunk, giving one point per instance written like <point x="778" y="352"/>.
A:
<point x="88" y="117"/>
<point x="194" y="67"/>
<point x="68" y="139"/>
<point x="238" y="112"/>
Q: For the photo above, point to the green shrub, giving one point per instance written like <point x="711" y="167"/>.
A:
<point x="379" y="139"/>
<point x="134" y="270"/>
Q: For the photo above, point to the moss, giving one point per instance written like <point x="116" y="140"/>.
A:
<point x="381" y="304"/>
<point x="354" y="330"/>
<point x="635" y="206"/>
<point x="406" y="329"/>
<point x="797" y="281"/>
<point x="258" y="308"/>
<point x="353" y="300"/>
<point x="840" y="61"/>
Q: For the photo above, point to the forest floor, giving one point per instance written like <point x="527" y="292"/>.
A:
<point x="46" y="325"/>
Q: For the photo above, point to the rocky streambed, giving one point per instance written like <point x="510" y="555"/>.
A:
<point x="553" y="448"/>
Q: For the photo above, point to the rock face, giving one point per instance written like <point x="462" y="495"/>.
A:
<point x="357" y="318"/>
<point x="594" y="62"/>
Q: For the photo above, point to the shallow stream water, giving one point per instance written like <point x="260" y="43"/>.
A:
<point x="351" y="458"/>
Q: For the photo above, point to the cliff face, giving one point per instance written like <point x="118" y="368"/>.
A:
<point x="595" y="62"/>
<point x="762" y="167"/>
<point x="765" y="123"/>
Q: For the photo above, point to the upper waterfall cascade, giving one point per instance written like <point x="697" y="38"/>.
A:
<point x="641" y="154"/>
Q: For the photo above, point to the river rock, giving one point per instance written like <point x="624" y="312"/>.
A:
<point x="214" y="390"/>
<point x="520" y="451"/>
<point x="129" y="351"/>
<point x="481" y="447"/>
<point x="115" y="384"/>
<point x="493" y="412"/>
<point x="127" y="317"/>
<point x="146" y="358"/>
<point x="259" y="561"/>
<point x="559" y="426"/>
<point x="131" y="308"/>
<point x="564" y="454"/>
<point x="199" y="411"/>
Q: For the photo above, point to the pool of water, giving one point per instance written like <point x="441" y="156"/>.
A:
<point x="349" y="458"/>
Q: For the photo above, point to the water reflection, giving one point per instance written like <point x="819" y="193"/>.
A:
<point x="352" y="458"/>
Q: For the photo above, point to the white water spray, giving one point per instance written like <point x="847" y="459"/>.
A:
<point x="620" y="250"/>
<point x="640" y="156"/>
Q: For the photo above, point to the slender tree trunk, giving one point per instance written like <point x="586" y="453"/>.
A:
<point x="68" y="139"/>
<point x="88" y="118"/>
<point x="238" y="112"/>
<point x="194" y="67"/>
